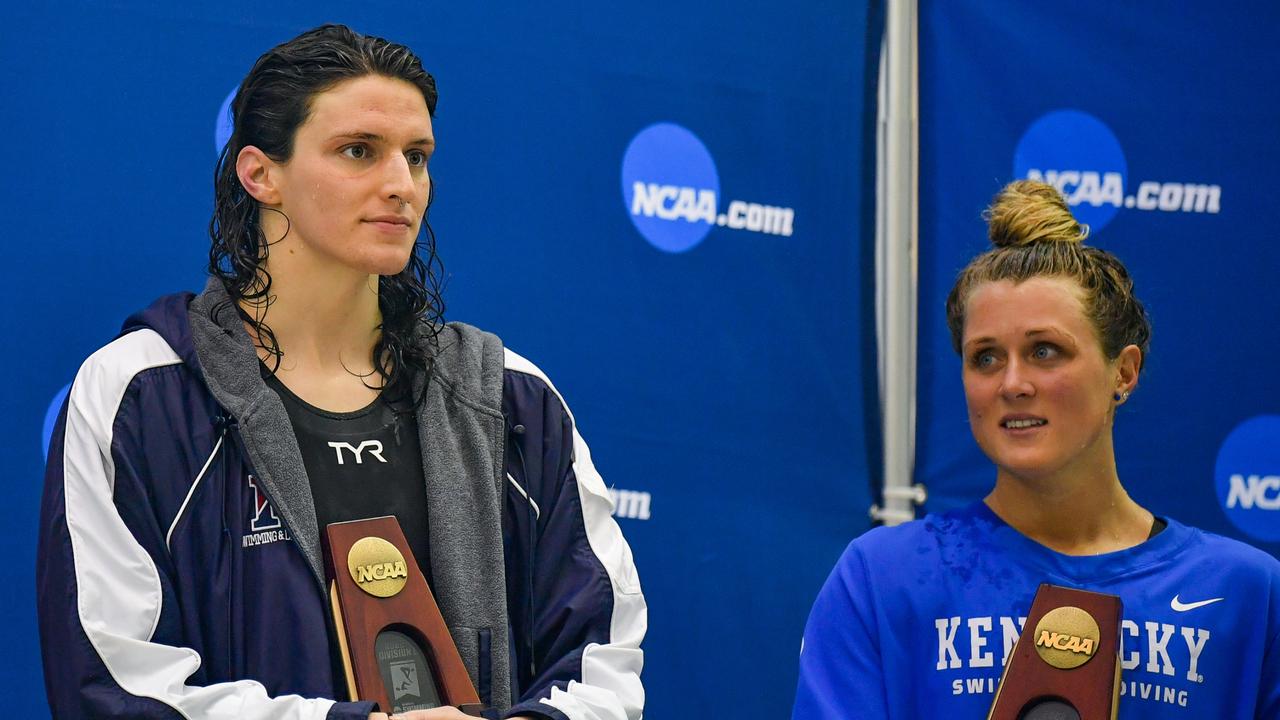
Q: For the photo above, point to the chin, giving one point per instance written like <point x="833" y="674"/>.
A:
<point x="391" y="263"/>
<point x="389" y="270"/>
<point x="1028" y="468"/>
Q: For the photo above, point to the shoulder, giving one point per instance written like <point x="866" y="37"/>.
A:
<point x="874" y="572"/>
<point x="144" y="383"/>
<point x="882" y="556"/>
<point x="459" y="345"/>
<point x="514" y="362"/>
<point x="919" y="539"/>
<point x="459" y="340"/>
<point x="1211" y="565"/>
<point x="105" y="377"/>
<point x="909" y="564"/>
<point x="881" y="541"/>
<point x="527" y="388"/>
<point x="478" y="364"/>
<point x="517" y="368"/>
<point x="134" y="398"/>
<point x="130" y="354"/>
<point x="1228" y="558"/>
<point x="469" y="362"/>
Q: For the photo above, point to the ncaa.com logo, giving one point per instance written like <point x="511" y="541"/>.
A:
<point x="1078" y="154"/>
<point x="1247" y="476"/>
<point x="672" y="191"/>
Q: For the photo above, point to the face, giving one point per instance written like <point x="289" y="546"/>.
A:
<point x="1039" y="388"/>
<point x="356" y="188"/>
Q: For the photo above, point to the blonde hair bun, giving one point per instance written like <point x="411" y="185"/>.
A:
<point x="1030" y="211"/>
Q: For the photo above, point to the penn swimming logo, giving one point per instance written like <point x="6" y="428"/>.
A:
<point x="222" y="123"/>
<point x="1078" y="154"/>
<point x="672" y="192"/>
<point x="1247" y="476"/>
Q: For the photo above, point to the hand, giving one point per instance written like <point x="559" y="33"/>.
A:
<point x="446" y="713"/>
<point x="442" y="713"/>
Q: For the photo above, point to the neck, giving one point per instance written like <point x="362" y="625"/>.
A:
<point x="1081" y="510"/>
<point x="324" y="317"/>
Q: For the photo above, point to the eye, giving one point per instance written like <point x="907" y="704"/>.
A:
<point x="356" y="152"/>
<point x="1045" y="351"/>
<point x="416" y="158"/>
<point x="983" y="359"/>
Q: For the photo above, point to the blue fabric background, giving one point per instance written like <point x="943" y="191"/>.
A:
<point x="734" y="382"/>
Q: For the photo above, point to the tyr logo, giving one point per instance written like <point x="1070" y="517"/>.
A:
<point x="373" y="446"/>
<point x="264" y="516"/>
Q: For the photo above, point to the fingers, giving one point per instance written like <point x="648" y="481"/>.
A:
<point x="444" y="713"/>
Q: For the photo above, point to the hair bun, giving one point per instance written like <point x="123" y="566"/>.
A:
<point x="1030" y="211"/>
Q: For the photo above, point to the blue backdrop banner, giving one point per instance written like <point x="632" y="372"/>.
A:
<point x="663" y="205"/>
<point x="1153" y="123"/>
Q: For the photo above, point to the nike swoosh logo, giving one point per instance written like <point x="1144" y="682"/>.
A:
<point x="1183" y="607"/>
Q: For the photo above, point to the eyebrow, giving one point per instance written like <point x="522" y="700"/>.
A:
<point x="1033" y="332"/>
<point x="374" y="137"/>
<point x="1051" y="331"/>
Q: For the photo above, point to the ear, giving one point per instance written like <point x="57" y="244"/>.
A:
<point x="1128" y="363"/>
<point x="258" y="175"/>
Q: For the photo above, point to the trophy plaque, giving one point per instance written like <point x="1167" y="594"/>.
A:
<point x="1066" y="665"/>
<point x="396" y="649"/>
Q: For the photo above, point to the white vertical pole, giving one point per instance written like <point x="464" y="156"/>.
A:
<point x="896" y="233"/>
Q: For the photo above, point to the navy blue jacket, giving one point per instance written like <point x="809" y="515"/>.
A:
<point x="174" y="582"/>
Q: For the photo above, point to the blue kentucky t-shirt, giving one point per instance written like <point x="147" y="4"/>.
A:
<point x="917" y="621"/>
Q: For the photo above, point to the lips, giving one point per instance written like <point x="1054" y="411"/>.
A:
<point x="391" y="218"/>
<point x="394" y="224"/>
<point x="1022" y="422"/>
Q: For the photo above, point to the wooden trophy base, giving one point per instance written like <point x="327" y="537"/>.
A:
<point x="396" y="649"/>
<point x="1066" y="665"/>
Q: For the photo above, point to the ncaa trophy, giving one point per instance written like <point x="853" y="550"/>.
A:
<point x="396" y="649"/>
<point x="1066" y="665"/>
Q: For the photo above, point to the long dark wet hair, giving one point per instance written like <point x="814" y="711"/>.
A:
<point x="273" y="101"/>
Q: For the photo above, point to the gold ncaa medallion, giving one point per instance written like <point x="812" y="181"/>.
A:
<point x="378" y="567"/>
<point x="1067" y="637"/>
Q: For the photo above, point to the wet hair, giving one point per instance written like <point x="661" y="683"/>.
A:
<point x="1035" y="235"/>
<point x="273" y="101"/>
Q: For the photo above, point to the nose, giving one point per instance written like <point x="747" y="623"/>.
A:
<point x="398" y="181"/>
<point x="1016" y="381"/>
